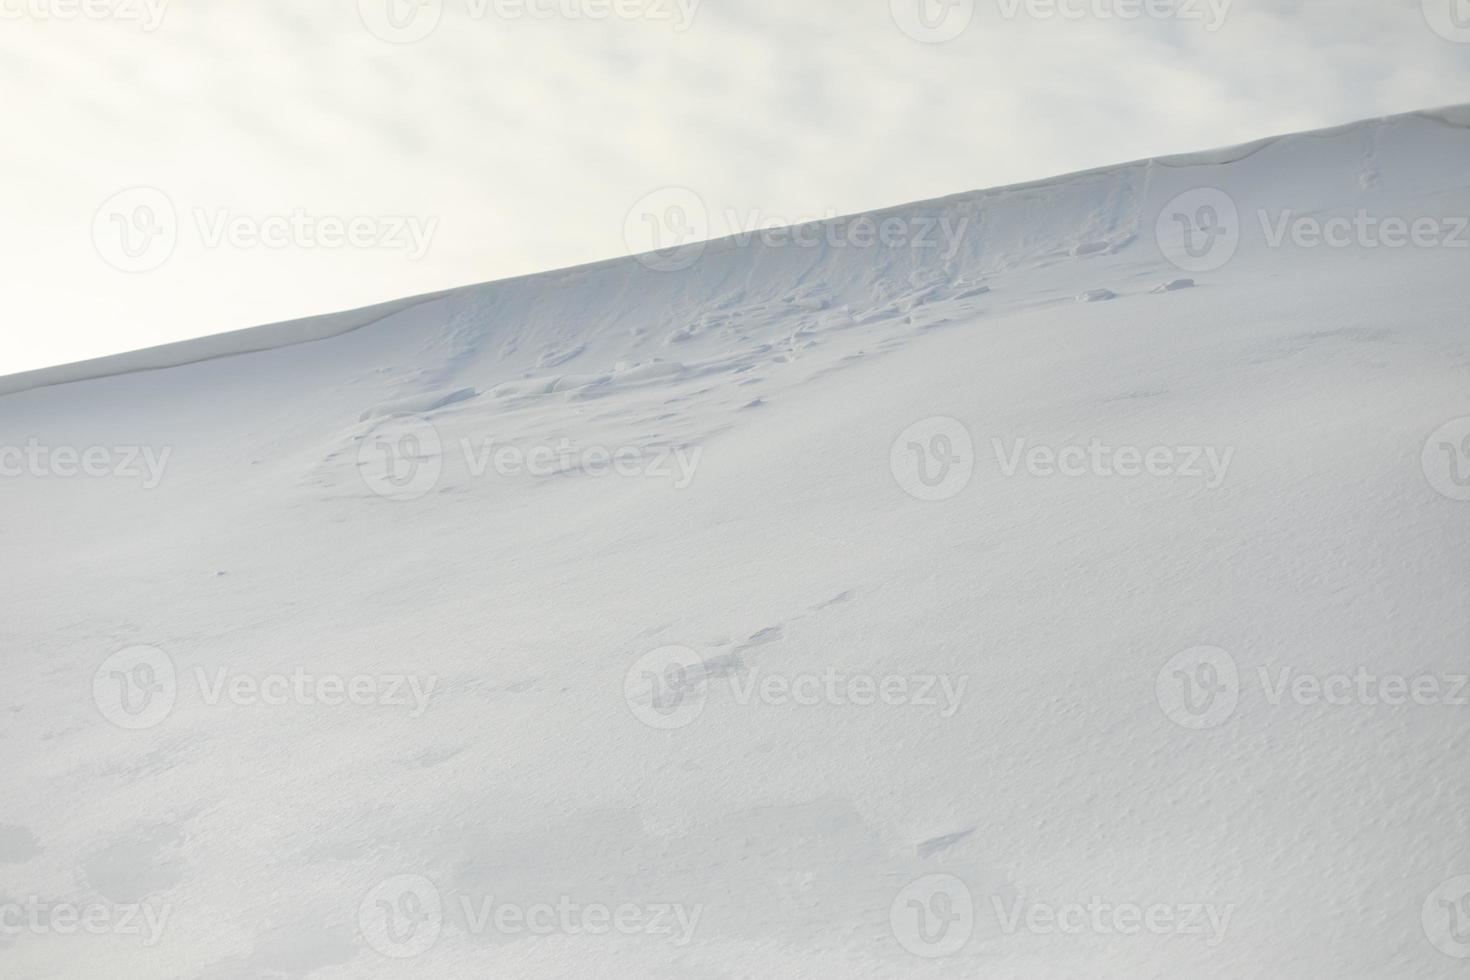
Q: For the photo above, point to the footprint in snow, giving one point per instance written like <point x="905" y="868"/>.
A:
<point x="1173" y="285"/>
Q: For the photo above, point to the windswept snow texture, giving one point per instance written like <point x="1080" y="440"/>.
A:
<point x="843" y="610"/>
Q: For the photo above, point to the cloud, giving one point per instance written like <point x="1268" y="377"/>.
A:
<point x="529" y="139"/>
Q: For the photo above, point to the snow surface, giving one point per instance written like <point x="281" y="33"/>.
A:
<point x="825" y="476"/>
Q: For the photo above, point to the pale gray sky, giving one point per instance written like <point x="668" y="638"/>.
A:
<point x="478" y="139"/>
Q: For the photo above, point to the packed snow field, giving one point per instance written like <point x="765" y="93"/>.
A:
<point x="1062" y="580"/>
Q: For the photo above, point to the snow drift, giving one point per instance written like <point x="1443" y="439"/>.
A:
<point x="1077" y="588"/>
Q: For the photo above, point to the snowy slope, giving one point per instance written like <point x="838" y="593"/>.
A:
<point x="842" y="610"/>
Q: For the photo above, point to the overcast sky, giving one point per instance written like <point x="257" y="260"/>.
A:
<point x="169" y="170"/>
